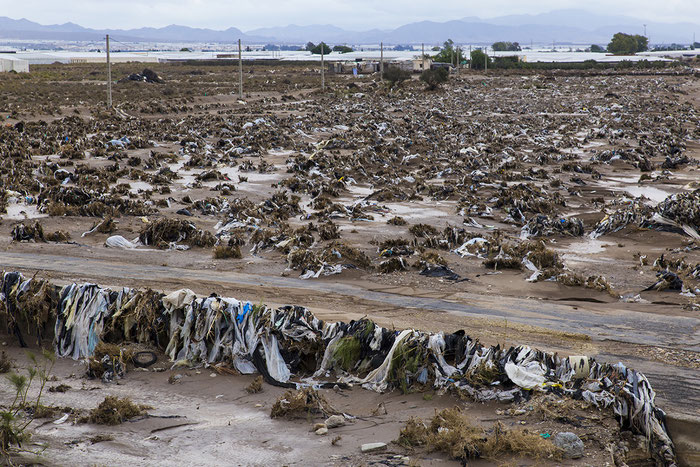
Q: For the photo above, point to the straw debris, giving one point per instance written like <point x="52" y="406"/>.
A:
<point x="302" y="403"/>
<point x="114" y="411"/>
<point x="450" y="432"/>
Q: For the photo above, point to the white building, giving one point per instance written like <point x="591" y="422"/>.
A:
<point x="10" y="63"/>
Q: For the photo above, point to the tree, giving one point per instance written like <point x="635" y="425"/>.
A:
<point x="627" y="44"/>
<point x="597" y="49"/>
<point x="403" y="47"/>
<point x="642" y="43"/>
<point x="506" y="47"/>
<point x="317" y="50"/>
<point x="310" y="46"/>
<point x="479" y="59"/>
<point x="434" y="78"/>
<point x="448" y="54"/>
<point x="395" y="75"/>
<point x="343" y="49"/>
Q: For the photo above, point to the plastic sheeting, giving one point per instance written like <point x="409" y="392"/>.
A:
<point x="290" y="342"/>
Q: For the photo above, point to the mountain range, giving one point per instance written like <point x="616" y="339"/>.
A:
<point x="560" y="26"/>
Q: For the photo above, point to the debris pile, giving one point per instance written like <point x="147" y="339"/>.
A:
<point x="681" y="211"/>
<point x="450" y="432"/>
<point x="146" y="76"/>
<point x="114" y="411"/>
<point x="167" y="233"/>
<point x="280" y="343"/>
<point x="543" y="226"/>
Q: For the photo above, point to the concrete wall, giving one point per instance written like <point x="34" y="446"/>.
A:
<point x="113" y="59"/>
<point x="13" y="64"/>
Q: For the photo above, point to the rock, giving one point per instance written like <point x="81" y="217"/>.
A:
<point x="322" y="431"/>
<point x="373" y="447"/>
<point x="570" y="443"/>
<point x="319" y="425"/>
<point x="335" y="421"/>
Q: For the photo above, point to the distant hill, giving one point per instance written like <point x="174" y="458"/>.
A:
<point x="25" y="29"/>
<point x="562" y="26"/>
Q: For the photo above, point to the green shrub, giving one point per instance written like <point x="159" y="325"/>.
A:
<point x="395" y="75"/>
<point x="434" y="78"/>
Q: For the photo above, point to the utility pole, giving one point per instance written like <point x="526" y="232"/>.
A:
<point x="645" y="30"/>
<point x="323" y="74"/>
<point x="422" y="56"/>
<point x="470" y="57"/>
<point x="381" y="61"/>
<point x="486" y="59"/>
<point x="240" y="71"/>
<point x="458" y="60"/>
<point x="109" y="77"/>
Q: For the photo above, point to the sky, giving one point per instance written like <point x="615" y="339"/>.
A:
<point x="353" y="15"/>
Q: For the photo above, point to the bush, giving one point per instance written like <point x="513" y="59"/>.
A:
<point x="317" y="49"/>
<point x="395" y="75"/>
<point x="343" y="49"/>
<point x="434" y="78"/>
<point x="626" y="44"/>
<point x="16" y="417"/>
<point x="506" y="46"/>
<point x="448" y="53"/>
<point x="479" y="60"/>
<point x="507" y="62"/>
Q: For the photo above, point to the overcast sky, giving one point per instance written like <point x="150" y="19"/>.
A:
<point x="357" y="14"/>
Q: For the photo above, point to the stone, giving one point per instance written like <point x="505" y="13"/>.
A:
<point x="373" y="447"/>
<point x="335" y="421"/>
<point x="570" y="443"/>
<point x="322" y="431"/>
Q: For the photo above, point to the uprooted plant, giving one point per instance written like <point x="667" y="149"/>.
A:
<point x="450" y="432"/>
<point x="303" y="403"/>
<point x="15" y="418"/>
<point x="113" y="411"/>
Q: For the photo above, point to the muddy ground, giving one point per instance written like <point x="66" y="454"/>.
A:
<point x="310" y="183"/>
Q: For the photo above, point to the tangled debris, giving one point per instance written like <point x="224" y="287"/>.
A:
<point x="108" y="362"/>
<point x="303" y="403"/>
<point x="256" y="386"/>
<point x="281" y="343"/>
<point x="542" y="226"/>
<point x="450" y="432"/>
<point x="163" y="233"/>
<point x="146" y="76"/>
<point x="28" y="233"/>
<point x="682" y="211"/>
<point x="114" y="411"/>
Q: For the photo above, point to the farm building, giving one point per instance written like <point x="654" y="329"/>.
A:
<point x="10" y="63"/>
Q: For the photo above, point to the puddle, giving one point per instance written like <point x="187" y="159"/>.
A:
<point x="359" y="191"/>
<point x="629" y="185"/>
<point x="587" y="246"/>
<point x="417" y="212"/>
<point x="137" y="185"/>
<point x="653" y="193"/>
<point x="21" y="211"/>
